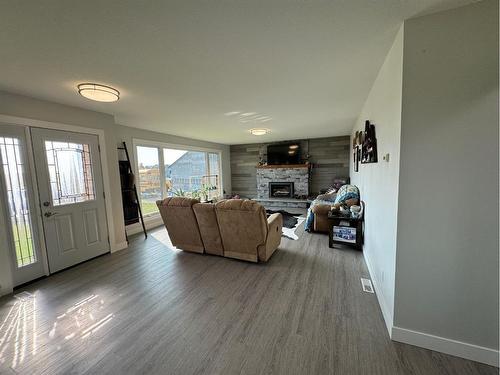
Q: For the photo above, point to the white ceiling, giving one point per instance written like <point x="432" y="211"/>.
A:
<point x="180" y="65"/>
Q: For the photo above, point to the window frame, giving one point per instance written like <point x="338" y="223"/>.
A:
<point x="162" y="145"/>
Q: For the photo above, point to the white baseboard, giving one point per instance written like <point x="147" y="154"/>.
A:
<point x="386" y="312"/>
<point x="119" y="246"/>
<point x="447" y="346"/>
<point x="6" y="290"/>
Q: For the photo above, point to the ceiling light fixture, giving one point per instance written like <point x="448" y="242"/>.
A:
<point x="293" y="147"/>
<point x="259" y="131"/>
<point x="99" y="93"/>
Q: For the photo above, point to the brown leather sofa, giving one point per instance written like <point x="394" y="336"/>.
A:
<point x="209" y="228"/>
<point x="320" y="223"/>
<point x="179" y="218"/>
<point x="233" y="228"/>
<point x="245" y="231"/>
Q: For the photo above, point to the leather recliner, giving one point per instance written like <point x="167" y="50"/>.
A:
<point x="233" y="228"/>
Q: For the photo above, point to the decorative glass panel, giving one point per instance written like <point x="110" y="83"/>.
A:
<point x="70" y="172"/>
<point x="149" y="178"/>
<point x="18" y="206"/>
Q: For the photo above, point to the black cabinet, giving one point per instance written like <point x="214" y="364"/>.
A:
<point x="345" y="230"/>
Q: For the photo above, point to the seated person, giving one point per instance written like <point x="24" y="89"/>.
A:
<point x="347" y="194"/>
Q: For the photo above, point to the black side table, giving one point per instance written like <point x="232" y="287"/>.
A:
<point x="345" y="230"/>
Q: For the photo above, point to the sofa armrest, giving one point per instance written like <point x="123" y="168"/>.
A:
<point x="273" y="240"/>
<point x="321" y="209"/>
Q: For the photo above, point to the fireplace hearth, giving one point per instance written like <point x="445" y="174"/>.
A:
<point x="281" y="190"/>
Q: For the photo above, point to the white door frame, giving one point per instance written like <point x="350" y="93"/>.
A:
<point x="27" y="122"/>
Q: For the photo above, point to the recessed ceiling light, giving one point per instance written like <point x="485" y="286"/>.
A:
<point x="100" y="93"/>
<point x="259" y="131"/>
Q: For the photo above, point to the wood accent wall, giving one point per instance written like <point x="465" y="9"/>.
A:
<point x="329" y="156"/>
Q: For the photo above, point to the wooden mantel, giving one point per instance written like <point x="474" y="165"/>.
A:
<point x="276" y="166"/>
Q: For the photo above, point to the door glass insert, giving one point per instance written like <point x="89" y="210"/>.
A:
<point x="19" y="211"/>
<point x="70" y="172"/>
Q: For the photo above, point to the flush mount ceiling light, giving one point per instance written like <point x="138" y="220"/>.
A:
<point x="99" y="93"/>
<point x="259" y="131"/>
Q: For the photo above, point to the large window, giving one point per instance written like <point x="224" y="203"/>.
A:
<point x="174" y="171"/>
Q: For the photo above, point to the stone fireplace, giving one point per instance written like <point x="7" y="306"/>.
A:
<point x="281" y="190"/>
<point x="282" y="182"/>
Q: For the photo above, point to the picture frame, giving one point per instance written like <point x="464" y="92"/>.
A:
<point x="369" y="144"/>
<point x="344" y="234"/>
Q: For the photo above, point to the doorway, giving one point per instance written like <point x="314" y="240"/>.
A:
<point x="52" y="183"/>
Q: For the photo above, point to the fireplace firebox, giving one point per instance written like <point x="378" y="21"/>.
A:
<point x="281" y="190"/>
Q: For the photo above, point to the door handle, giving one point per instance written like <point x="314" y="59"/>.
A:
<point x="49" y="214"/>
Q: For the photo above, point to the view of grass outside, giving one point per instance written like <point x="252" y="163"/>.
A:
<point x="24" y="245"/>
<point x="148" y="207"/>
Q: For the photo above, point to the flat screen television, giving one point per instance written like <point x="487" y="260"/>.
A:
<point x="284" y="153"/>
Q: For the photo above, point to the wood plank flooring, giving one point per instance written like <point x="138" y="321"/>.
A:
<point x="151" y="309"/>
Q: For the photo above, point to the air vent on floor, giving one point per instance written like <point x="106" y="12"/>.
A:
<point x="367" y="285"/>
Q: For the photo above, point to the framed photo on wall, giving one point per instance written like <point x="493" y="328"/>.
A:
<point x="369" y="145"/>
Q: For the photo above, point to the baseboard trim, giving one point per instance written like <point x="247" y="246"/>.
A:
<point x="119" y="246"/>
<point x="447" y="346"/>
<point x="386" y="313"/>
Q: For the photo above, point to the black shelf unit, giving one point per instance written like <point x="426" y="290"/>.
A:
<point x="132" y="212"/>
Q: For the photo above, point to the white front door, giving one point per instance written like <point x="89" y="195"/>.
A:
<point x="68" y="169"/>
<point x="18" y="212"/>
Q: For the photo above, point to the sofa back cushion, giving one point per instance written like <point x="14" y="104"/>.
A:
<point x="178" y="215"/>
<point x="209" y="228"/>
<point x="243" y="228"/>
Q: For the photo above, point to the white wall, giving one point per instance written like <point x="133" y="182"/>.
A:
<point x="26" y="107"/>
<point x="447" y="247"/>
<point x="378" y="182"/>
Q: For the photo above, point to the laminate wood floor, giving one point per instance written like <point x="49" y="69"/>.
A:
<point x="153" y="310"/>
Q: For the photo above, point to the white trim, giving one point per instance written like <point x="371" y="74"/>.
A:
<point x="118" y="246"/>
<point x="386" y="312"/>
<point x="37" y="204"/>
<point x="447" y="346"/>
<point x="13" y="120"/>
<point x="175" y="146"/>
